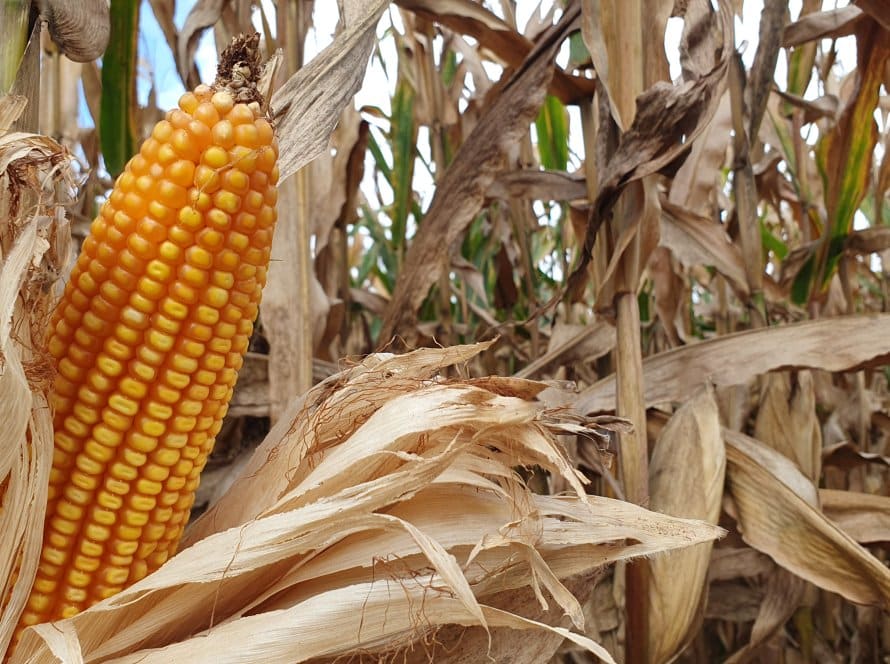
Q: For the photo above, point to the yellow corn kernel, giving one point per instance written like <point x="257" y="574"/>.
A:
<point x="141" y="442"/>
<point x="115" y="420"/>
<point x="107" y="436"/>
<point x="222" y="102"/>
<point x="206" y="315"/>
<point x="151" y="427"/>
<point x="158" y="411"/>
<point x="216" y="158"/>
<point x="123" y="405"/>
<point x="160" y="340"/>
<point x="132" y="388"/>
<point x="125" y="548"/>
<point x="224" y="134"/>
<point x="150" y="487"/>
<point x="176" y="379"/>
<point x="158" y="270"/>
<point x="165" y="394"/>
<point x="183" y="364"/>
<point x="227" y="201"/>
<point x="167" y="325"/>
<point x="211" y="240"/>
<point x="218" y="219"/>
<point x="97" y="452"/>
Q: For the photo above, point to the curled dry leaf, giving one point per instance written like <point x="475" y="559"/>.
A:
<point x="538" y="185"/>
<point x="203" y="14"/>
<point x="694" y="185"/>
<point x="696" y="240"/>
<point x="689" y="455"/>
<point x="855" y="341"/>
<point x="832" y="24"/>
<point x="782" y="596"/>
<point x="571" y="343"/>
<point x="778" y="514"/>
<point x="394" y="509"/>
<point x="668" y="119"/>
<point x="307" y="107"/>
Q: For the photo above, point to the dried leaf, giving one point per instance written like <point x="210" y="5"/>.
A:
<point x="833" y="23"/>
<point x="571" y="344"/>
<point x="863" y="516"/>
<point x="307" y="107"/>
<point x="33" y="248"/>
<point x="538" y="185"/>
<point x="778" y="514"/>
<point x="203" y="14"/>
<point x="617" y="35"/>
<point x="667" y="121"/>
<point x="855" y="341"/>
<point x="783" y="595"/>
<point x="787" y="421"/>
<point x="695" y="240"/>
<point x="79" y="27"/>
<point x="694" y="185"/>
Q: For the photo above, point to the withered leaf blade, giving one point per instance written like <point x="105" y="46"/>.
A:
<point x="783" y="595"/>
<point x="472" y="18"/>
<point x="307" y="107"/>
<point x="203" y="14"/>
<point x="695" y="240"/>
<point x="778" y="514"/>
<point x="787" y="421"/>
<point x="668" y="119"/>
<point x="863" y="516"/>
<point x="732" y="359"/>
<point x="833" y="23"/>
<point x="79" y="27"/>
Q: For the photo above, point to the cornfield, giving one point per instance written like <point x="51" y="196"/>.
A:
<point x="573" y="341"/>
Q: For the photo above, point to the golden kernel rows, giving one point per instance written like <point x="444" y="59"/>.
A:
<point x="148" y="339"/>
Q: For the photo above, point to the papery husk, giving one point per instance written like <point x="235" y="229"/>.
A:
<point x="687" y="475"/>
<point x="391" y="508"/>
<point x="33" y="249"/>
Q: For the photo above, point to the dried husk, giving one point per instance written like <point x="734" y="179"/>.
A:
<point x="33" y="250"/>
<point x="395" y="510"/>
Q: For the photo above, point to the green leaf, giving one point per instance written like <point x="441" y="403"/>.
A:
<point x="802" y="285"/>
<point x="578" y="53"/>
<point x="117" y="118"/>
<point x="771" y="243"/>
<point x="403" y="139"/>
<point x="552" y="125"/>
<point x="845" y="154"/>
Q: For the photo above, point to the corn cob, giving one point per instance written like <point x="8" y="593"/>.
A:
<point x="149" y="336"/>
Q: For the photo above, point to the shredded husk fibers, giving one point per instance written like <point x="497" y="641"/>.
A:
<point x="383" y="507"/>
